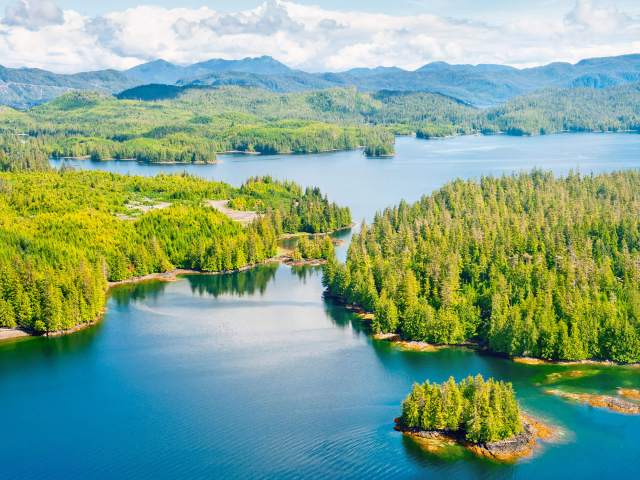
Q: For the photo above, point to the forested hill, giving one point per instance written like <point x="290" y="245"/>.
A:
<point x="193" y="125"/>
<point x="573" y="110"/>
<point x="25" y="87"/>
<point x="526" y="265"/>
<point x="64" y="234"/>
<point x="480" y="85"/>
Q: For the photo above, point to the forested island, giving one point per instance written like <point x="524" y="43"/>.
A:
<point x="482" y="415"/>
<point x="524" y="265"/>
<point x="197" y="124"/>
<point x="65" y="235"/>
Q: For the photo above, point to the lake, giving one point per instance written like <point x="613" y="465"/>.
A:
<point x="255" y="375"/>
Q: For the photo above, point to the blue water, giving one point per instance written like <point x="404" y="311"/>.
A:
<point x="255" y="375"/>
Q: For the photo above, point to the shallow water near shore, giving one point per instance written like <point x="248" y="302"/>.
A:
<point x="255" y="375"/>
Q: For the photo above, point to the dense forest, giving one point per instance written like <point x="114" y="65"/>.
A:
<point x="484" y="411"/>
<point x="612" y="109"/>
<point x="292" y="209"/>
<point x="65" y="234"/>
<point x="524" y="265"/>
<point x="197" y="124"/>
<point x="190" y="129"/>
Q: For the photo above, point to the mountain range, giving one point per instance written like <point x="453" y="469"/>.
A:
<point x="479" y="85"/>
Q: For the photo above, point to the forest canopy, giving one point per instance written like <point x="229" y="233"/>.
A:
<point x="524" y="265"/>
<point x="64" y="235"/>
<point x="483" y="411"/>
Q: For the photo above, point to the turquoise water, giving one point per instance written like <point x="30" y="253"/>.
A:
<point x="255" y="375"/>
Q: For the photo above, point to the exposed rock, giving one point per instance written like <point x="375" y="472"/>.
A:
<point x="240" y="216"/>
<point x="630" y="393"/>
<point x="508" y="450"/>
<point x="389" y="337"/>
<point x="615" y="404"/>
<point x="10" y="333"/>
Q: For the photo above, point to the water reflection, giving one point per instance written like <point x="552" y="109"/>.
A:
<point x="238" y="284"/>
<point x="304" y="272"/>
<point x="123" y="295"/>
<point x="28" y="352"/>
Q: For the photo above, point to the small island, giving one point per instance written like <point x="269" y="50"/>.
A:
<point x="481" y="415"/>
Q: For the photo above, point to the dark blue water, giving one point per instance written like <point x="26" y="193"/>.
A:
<point x="255" y="375"/>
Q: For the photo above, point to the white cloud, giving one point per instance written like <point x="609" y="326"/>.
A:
<point x="37" y="33"/>
<point x="33" y="14"/>
<point x="601" y="20"/>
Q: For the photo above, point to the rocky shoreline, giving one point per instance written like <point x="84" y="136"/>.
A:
<point x="430" y="347"/>
<point x="7" y="334"/>
<point x="612" y="403"/>
<point x="509" y="450"/>
<point x="12" y="333"/>
<point x="542" y="361"/>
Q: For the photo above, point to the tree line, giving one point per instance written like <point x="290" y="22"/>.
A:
<point x="524" y="265"/>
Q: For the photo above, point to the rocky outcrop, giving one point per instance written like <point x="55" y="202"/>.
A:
<point x="610" y="402"/>
<point x="630" y="393"/>
<point x="507" y="450"/>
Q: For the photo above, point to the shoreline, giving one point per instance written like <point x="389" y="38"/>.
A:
<point x="396" y="340"/>
<point x="8" y="334"/>
<point x="334" y="150"/>
<point x="12" y="334"/>
<point x="571" y="363"/>
<point x="626" y="402"/>
<point x="509" y="450"/>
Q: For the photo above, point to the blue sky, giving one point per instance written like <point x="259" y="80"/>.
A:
<point x="314" y="35"/>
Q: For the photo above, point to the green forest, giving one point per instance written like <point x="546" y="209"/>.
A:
<point x="483" y="411"/>
<point x="199" y="123"/>
<point x="65" y="234"/>
<point x="523" y="265"/>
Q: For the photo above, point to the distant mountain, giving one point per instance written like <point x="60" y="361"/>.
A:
<point x="157" y="72"/>
<point x="480" y="85"/>
<point x="294" y="81"/>
<point x="487" y="85"/>
<point x="25" y="87"/>
<point x="151" y="92"/>
<point x="161" y="71"/>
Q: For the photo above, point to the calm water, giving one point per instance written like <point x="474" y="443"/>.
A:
<point x="255" y="375"/>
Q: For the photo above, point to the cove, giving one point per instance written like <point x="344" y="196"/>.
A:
<point x="255" y="375"/>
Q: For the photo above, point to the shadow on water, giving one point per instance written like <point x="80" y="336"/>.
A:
<point x="35" y="350"/>
<point x="343" y="318"/>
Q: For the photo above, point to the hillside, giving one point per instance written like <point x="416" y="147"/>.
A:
<point x="479" y="85"/>
<point x="25" y="87"/>
<point x="193" y="124"/>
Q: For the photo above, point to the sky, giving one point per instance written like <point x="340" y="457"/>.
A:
<point x="69" y="36"/>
